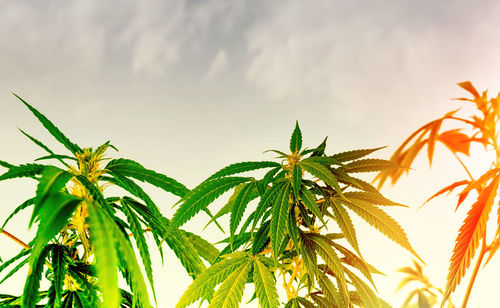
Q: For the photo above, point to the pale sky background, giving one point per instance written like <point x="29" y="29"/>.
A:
<point x="187" y="87"/>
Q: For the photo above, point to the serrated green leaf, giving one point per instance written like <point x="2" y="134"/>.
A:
<point x="296" y="181"/>
<point x="318" y="151"/>
<point x="21" y="171"/>
<point x="21" y="207"/>
<point x="43" y="146"/>
<point x="201" y="196"/>
<point x="52" y="129"/>
<point x="296" y="139"/>
<point x="345" y="224"/>
<point x="328" y="254"/>
<point x="373" y="198"/>
<point x="205" y="283"/>
<point x="309" y="201"/>
<point x="261" y="237"/>
<point x="59" y="268"/>
<point x="329" y="290"/>
<point x="206" y="250"/>
<point x="240" y="204"/>
<point x="356" y="262"/>
<point x="243" y="167"/>
<point x="231" y="290"/>
<point x="265" y="285"/>
<point x="54" y="213"/>
<point x="140" y="241"/>
<point x="106" y="260"/>
<point x="353" y="155"/>
<point x="266" y="201"/>
<point x="30" y="293"/>
<point x="130" y="168"/>
<point x="322" y="173"/>
<point x="279" y="217"/>
<point x="366" y="293"/>
<point x="370" y="165"/>
<point x="53" y="180"/>
<point x="12" y="260"/>
<point x="382" y="222"/>
<point x="15" y="269"/>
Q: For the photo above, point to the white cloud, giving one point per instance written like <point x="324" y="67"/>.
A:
<point x="218" y="66"/>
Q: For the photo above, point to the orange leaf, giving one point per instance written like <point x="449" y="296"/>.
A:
<point x="471" y="232"/>
<point x="455" y="141"/>
<point x="448" y="189"/>
<point x="467" y="85"/>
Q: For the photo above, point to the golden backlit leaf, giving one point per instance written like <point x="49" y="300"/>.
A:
<point x="467" y="85"/>
<point x="447" y="189"/>
<point x="455" y="141"/>
<point x="471" y="232"/>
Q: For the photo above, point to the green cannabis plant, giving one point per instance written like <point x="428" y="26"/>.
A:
<point x="281" y="228"/>
<point x="83" y="237"/>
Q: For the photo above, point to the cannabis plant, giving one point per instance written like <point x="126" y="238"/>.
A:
<point x="427" y="295"/>
<point x="83" y="236"/>
<point x="292" y="223"/>
<point x="481" y="127"/>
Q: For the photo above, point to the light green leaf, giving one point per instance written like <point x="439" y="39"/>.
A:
<point x="52" y="129"/>
<point x="382" y="222"/>
<point x="265" y="201"/>
<point x="321" y="172"/>
<point x="353" y="155"/>
<point x="203" y="286"/>
<point x="243" y="167"/>
<point x="265" y="285"/>
<point x="296" y="139"/>
<point x="59" y="268"/>
<point x="345" y="224"/>
<point x="370" y="165"/>
<point x="106" y="261"/>
<point x="21" y="207"/>
<point x="231" y="290"/>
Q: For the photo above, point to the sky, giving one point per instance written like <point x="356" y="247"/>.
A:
<point x="187" y="87"/>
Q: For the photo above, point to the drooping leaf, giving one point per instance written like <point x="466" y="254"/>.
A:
<point x="370" y="165"/>
<point x="278" y="220"/>
<point x="52" y="129"/>
<point x="345" y="224"/>
<point x="240" y="204"/>
<point x="130" y="168"/>
<point x="382" y="222"/>
<point x="43" y="146"/>
<point x="366" y="293"/>
<point x="140" y="241"/>
<point x="353" y="155"/>
<point x="21" y="207"/>
<point x="21" y="171"/>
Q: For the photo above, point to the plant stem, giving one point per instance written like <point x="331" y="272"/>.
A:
<point x="15" y="239"/>
<point x="474" y="274"/>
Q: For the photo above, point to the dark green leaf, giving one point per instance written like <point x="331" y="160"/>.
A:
<point x="296" y="139"/>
